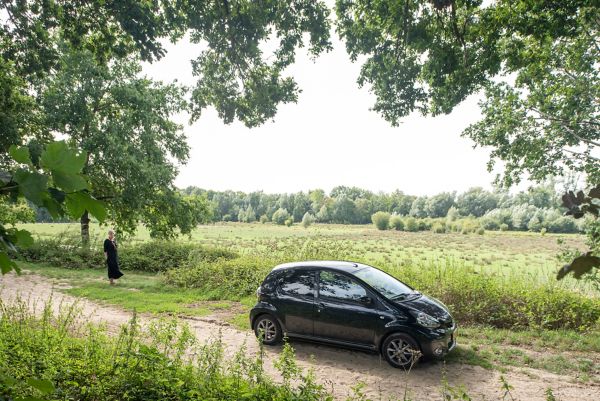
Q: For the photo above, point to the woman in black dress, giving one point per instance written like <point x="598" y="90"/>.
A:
<point x="110" y="251"/>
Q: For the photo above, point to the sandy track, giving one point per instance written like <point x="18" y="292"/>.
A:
<point x="338" y="369"/>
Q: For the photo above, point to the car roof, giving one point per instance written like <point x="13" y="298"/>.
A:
<point x="340" y="265"/>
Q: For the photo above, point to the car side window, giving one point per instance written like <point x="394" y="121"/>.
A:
<point x="339" y="287"/>
<point x="298" y="283"/>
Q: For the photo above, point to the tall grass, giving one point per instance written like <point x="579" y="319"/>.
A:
<point x="162" y="361"/>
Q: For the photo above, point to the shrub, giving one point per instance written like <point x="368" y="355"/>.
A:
<point x="381" y="220"/>
<point x="411" y="224"/>
<point x="160" y="361"/>
<point x="480" y="231"/>
<point x="153" y="256"/>
<point x="503" y="227"/>
<point x="497" y="301"/>
<point x="396" y="223"/>
<point x="264" y="219"/>
<point x="223" y="278"/>
<point x="307" y="220"/>
<point x="438" y="228"/>
<point x="280" y="216"/>
<point x="425" y="224"/>
<point x="289" y="222"/>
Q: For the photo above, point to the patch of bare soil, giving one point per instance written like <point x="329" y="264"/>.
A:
<point x="338" y="369"/>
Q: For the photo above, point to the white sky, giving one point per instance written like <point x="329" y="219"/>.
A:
<point x="329" y="138"/>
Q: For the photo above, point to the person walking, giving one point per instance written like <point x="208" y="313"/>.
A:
<point x="112" y="260"/>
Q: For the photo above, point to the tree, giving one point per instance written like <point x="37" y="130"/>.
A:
<point x="476" y="202"/>
<point x="418" y="207"/>
<point x="123" y="122"/>
<point x="280" y="216"/>
<point x="438" y="205"/>
<point x="536" y="61"/>
<point x="307" y="220"/>
<point x="381" y="220"/>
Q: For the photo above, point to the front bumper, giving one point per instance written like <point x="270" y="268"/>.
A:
<point x="440" y="347"/>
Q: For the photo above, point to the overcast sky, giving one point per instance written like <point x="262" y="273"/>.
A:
<point x="329" y="138"/>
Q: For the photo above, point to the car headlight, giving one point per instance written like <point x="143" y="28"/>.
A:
<point x="426" y="321"/>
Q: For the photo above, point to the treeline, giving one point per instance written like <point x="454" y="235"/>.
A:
<point x="536" y="209"/>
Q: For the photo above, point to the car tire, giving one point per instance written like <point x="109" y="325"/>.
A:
<point x="267" y="325"/>
<point x="401" y="350"/>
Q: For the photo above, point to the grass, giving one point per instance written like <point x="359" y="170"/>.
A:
<point x="144" y="293"/>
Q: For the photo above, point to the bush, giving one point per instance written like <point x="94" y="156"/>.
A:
<point x="438" y="228"/>
<point x="280" y="216"/>
<point x="497" y="301"/>
<point x="289" y="222"/>
<point x="223" y="278"/>
<point x="264" y="219"/>
<point x="381" y="220"/>
<point x="480" y="231"/>
<point x="411" y="224"/>
<point x="396" y="223"/>
<point x="503" y="227"/>
<point x="153" y="256"/>
<point x="160" y="361"/>
<point x="307" y="220"/>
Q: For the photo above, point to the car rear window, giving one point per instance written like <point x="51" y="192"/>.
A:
<point x="298" y="283"/>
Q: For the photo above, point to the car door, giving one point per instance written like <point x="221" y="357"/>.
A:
<point x="341" y="313"/>
<point x="296" y="300"/>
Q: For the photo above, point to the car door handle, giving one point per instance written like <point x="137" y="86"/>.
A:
<point x="320" y="306"/>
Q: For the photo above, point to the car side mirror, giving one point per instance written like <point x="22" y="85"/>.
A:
<point x="366" y="301"/>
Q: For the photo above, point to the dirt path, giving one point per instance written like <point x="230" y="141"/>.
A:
<point x="338" y="369"/>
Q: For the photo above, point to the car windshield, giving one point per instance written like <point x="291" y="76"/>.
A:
<point x="387" y="285"/>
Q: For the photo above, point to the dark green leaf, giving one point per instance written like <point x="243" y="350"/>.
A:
<point x="69" y="182"/>
<point x="32" y="185"/>
<point x="579" y="266"/>
<point x="44" y="386"/>
<point x="58" y="156"/>
<point x="6" y="265"/>
<point x="20" y="154"/>
<point x="9" y="381"/>
<point x="23" y="238"/>
<point x="79" y="202"/>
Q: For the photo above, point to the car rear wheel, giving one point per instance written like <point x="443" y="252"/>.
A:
<point x="400" y="350"/>
<point x="267" y="329"/>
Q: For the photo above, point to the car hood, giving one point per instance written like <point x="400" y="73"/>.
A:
<point x="431" y="306"/>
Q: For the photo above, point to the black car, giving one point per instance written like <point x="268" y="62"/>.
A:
<point x="353" y="305"/>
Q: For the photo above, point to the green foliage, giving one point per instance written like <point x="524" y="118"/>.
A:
<point x="280" y="216"/>
<point x="438" y="228"/>
<point x="307" y="220"/>
<point x="264" y="219"/>
<point x="54" y="182"/>
<point x="578" y="206"/>
<point x="429" y="56"/>
<point x="152" y="256"/>
<point x="381" y="220"/>
<point x="289" y="222"/>
<point x="226" y="278"/>
<point x="397" y="223"/>
<point x="411" y="224"/>
<point x="55" y="358"/>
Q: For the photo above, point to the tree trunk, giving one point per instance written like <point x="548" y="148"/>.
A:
<point x="85" y="228"/>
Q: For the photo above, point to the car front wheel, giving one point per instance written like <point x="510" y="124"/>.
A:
<point x="400" y="350"/>
<point x="267" y="329"/>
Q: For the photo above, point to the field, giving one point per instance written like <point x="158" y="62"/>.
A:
<point x="508" y="258"/>
<point x="530" y="255"/>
